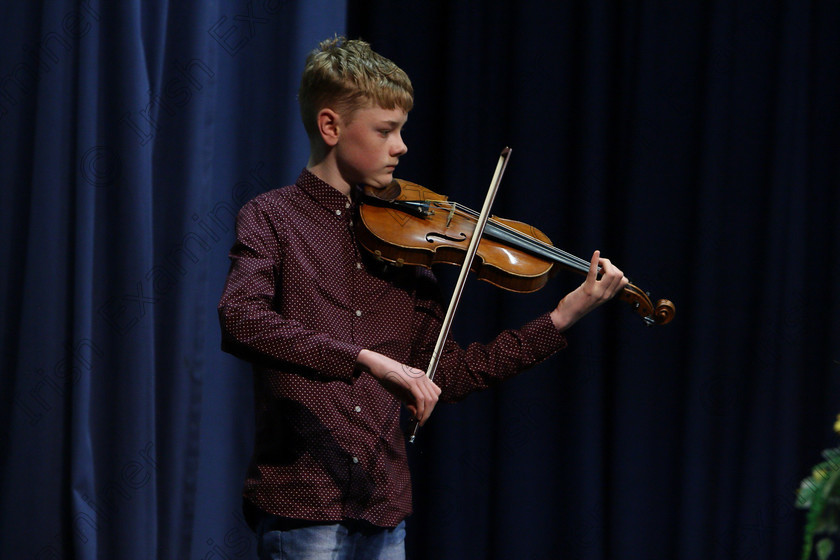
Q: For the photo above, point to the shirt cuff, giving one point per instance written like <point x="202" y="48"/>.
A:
<point x="542" y="337"/>
<point x="339" y="361"/>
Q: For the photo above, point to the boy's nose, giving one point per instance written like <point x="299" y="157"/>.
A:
<point x="400" y="148"/>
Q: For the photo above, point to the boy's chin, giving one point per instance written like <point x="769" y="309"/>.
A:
<point x="385" y="189"/>
<point x="380" y="181"/>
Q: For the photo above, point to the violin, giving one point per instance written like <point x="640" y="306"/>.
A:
<point x="408" y="224"/>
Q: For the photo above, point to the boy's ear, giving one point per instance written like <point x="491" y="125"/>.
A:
<point x="329" y="126"/>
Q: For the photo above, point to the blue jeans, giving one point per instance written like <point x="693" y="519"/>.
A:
<point x="286" y="539"/>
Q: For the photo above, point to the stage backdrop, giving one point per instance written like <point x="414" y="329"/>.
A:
<point x="696" y="146"/>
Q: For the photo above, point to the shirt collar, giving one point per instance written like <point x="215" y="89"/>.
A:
<point x="321" y="192"/>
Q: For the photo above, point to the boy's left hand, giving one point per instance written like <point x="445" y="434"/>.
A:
<point x="593" y="292"/>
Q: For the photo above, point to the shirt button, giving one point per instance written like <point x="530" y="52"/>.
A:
<point x="338" y="212"/>
<point x="358" y="409"/>
<point x="359" y="266"/>
<point x="355" y="459"/>
<point x="358" y="313"/>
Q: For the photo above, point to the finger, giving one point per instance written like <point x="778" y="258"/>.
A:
<point x="612" y="278"/>
<point x="608" y="268"/>
<point x="430" y="406"/>
<point x="608" y="272"/>
<point x="592" y="275"/>
<point x="621" y="281"/>
<point x="419" y="405"/>
<point x="430" y="397"/>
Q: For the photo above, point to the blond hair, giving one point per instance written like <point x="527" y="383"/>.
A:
<point x="349" y="75"/>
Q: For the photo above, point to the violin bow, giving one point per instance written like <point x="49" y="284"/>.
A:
<point x="481" y="221"/>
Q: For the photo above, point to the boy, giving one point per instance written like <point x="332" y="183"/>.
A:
<point x="336" y="342"/>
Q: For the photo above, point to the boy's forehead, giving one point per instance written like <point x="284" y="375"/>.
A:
<point x="393" y="116"/>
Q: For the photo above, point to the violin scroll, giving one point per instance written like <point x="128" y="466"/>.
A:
<point x="660" y="314"/>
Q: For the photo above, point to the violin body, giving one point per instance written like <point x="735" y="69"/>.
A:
<point x="442" y="236"/>
<point x="408" y="224"/>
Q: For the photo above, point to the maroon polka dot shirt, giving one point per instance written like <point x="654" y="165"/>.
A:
<point x="301" y="301"/>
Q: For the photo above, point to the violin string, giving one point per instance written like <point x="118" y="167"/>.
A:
<point x="526" y="240"/>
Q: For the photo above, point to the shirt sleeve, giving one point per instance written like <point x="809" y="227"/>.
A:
<point x="479" y="366"/>
<point x="251" y="327"/>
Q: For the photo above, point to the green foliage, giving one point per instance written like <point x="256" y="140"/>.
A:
<point x="820" y="495"/>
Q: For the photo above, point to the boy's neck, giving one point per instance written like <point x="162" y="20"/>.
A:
<point x="330" y="175"/>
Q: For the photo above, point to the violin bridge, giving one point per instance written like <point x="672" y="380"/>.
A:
<point x="451" y="214"/>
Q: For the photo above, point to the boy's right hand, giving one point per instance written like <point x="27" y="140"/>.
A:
<point x="409" y="385"/>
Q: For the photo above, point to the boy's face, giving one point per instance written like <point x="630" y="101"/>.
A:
<point x="370" y="145"/>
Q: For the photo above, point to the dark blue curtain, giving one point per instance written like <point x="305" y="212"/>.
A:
<point x="131" y="133"/>
<point x="695" y="144"/>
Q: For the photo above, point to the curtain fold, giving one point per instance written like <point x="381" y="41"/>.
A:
<point x="131" y="135"/>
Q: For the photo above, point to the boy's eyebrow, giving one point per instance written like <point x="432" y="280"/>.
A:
<point x="394" y="123"/>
